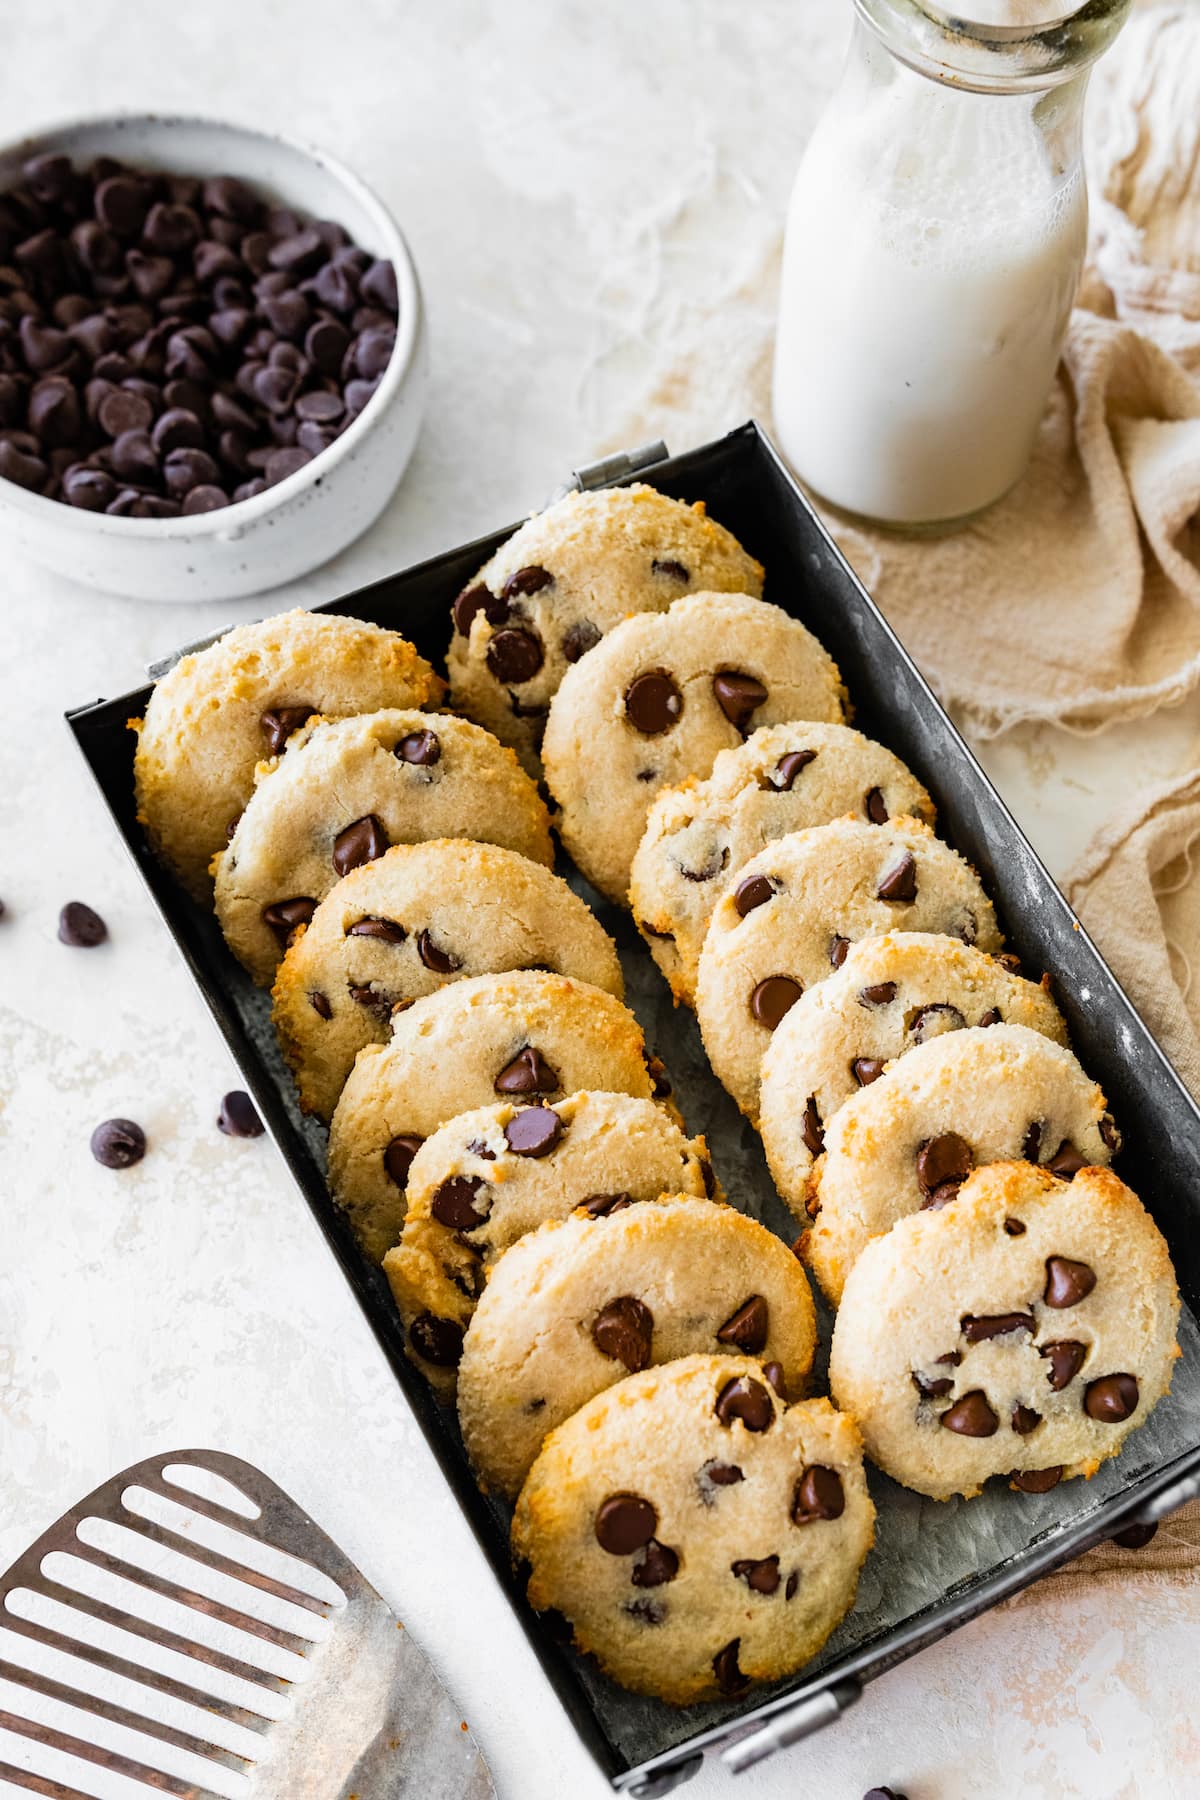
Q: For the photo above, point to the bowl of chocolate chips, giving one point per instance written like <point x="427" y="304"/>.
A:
<point x="212" y="356"/>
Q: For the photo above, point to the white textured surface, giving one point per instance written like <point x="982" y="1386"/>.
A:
<point x="569" y="176"/>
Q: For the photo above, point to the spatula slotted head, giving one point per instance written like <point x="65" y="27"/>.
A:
<point x="187" y="1630"/>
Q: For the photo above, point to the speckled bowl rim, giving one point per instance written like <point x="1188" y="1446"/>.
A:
<point x="241" y="514"/>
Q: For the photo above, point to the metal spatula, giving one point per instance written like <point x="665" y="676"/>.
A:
<point x="188" y="1630"/>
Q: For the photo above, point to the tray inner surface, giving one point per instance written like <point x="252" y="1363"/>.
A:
<point x="925" y="1551"/>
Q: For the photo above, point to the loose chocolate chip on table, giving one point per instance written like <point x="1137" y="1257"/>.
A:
<point x="579" y="638"/>
<point x="1134" y="1537"/>
<point x="783" y="776"/>
<point x="237" y="1116"/>
<point x="1024" y="1420"/>
<point x="867" y="1069"/>
<point x="600" y="1206"/>
<point x="1015" y="1227"/>
<point x="320" y="1005"/>
<point x="971" y="1416"/>
<point x="839" y="949"/>
<point x="876" y="806"/>
<point x="1066" y="1357"/>
<point x="435" y="958"/>
<point x="665" y="565"/>
<point x="812" y="1130"/>
<point x="419" y="747"/>
<point x="515" y="655"/>
<point x="729" y="1676"/>
<point x="1037" y="1481"/>
<point x="437" y="1341"/>
<point x="623" y="1330"/>
<point x="932" y="1390"/>
<point x="747" y="1327"/>
<point x="738" y="695"/>
<point x="1111" y="1398"/>
<point x="284" y="915"/>
<point x="755" y="891"/>
<point x="899" y="883"/>
<point x="1067" y="1282"/>
<point x="745" y="1399"/>
<point x="943" y="1161"/>
<point x="527" y="1073"/>
<point x="80" y="927"/>
<point x="883" y="1793"/>
<point x="880" y="993"/>
<point x="774" y="997"/>
<point x="1066" y="1161"/>
<point x="623" y="1523"/>
<point x="654" y="1565"/>
<point x="397" y="1158"/>
<point x="978" y="1328"/>
<point x="818" y="1495"/>
<point x="359" y="843"/>
<point x="653" y="703"/>
<point x="534" y="1131"/>
<point x="455" y="1202"/>
<point x="118" y="1143"/>
<point x="530" y="580"/>
<point x="761" y="1576"/>
<point x="387" y="931"/>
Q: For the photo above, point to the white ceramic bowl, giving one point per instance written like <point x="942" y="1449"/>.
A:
<point x="302" y="521"/>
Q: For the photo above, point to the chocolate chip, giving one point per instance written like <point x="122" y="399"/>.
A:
<point x="1067" y="1282"/>
<point x="186" y="469"/>
<point x="133" y="457"/>
<point x="623" y="1330"/>
<point x="118" y="1144"/>
<point x="1066" y="1358"/>
<point x="54" y="416"/>
<point x="437" y="1341"/>
<point x="867" y="1069"/>
<point x="237" y="1116"/>
<point x="477" y="1147"/>
<point x="709" y="870"/>
<point x="774" y="1374"/>
<point x="372" y="997"/>
<point x="747" y="1327"/>
<point x="773" y="998"/>
<point x="397" y="1158"/>
<point x="1037" y="1481"/>
<point x="943" y="1161"/>
<point x="579" y="638"/>
<point x="477" y="599"/>
<point x="881" y="993"/>
<point x="1066" y="1161"/>
<point x="653" y="703"/>
<point x="515" y="655"/>
<point x="793" y="1582"/>
<point x="667" y="566"/>
<point x="817" y="1496"/>
<point x="654" y="1565"/>
<point x="993" y="1016"/>
<point x="454" y="1201"/>
<point x="761" y="1576"/>
<point x="90" y="489"/>
<point x="419" y="747"/>
<point x="717" y="1474"/>
<point x="600" y="1206"/>
<point x="320" y="1005"/>
<point x="729" y="1676"/>
<point x="1031" y="1148"/>
<point x="1015" y="1227"/>
<point x="121" y="411"/>
<point x="285" y="915"/>
<point x="783" y="777"/>
<point x="754" y="891"/>
<point x="359" y="843"/>
<point x="80" y="927"/>
<point x="1024" y="1420"/>
<point x="660" y="1087"/>
<point x="839" y="949"/>
<point x="624" y="1523"/>
<point x="440" y="961"/>
<point x="932" y="1390"/>
<point x="534" y="1131"/>
<point x="978" y="1328"/>
<point x="646" y="1612"/>
<point x="529" y="580"/>
<point x="387" y="931"/>
<point x="745" y="1399"/>
<point x="899" y="883"/>
<point x="1135" y="1537"/>
<point x="1112" y="1138"/>
<point x="971" y="1416"/>
<point x="883" y="1793"/>
<point x="1111" y="1399"/>
<point x="812" y="1128"/>
<point x="738" y="695"/>
<point x="527" y="1073"/>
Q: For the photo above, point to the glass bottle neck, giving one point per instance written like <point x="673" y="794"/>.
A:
<point x="1024" y="55"/>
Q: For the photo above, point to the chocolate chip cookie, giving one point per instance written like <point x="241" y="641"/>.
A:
<point x="697" y="1532"/>
<point x="566" y="577"/>
<point x="417" y="917"/>
<point x="655" y="703"/>
<point x="784" y="778"/>
<point x="342" y="793"/>
<point x="221" y="711"/>
<point x="891" y="994"/>
<point x="907" y="1143"/>
<point x="793" y="914"/>
<point x="492" y="1174"/>
<point x="1024" y="1332"/>
<point x="525" y="1035"/>
<point x="577" y="1305"/>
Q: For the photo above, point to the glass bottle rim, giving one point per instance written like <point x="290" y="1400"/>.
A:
<point x="985" y="57"/>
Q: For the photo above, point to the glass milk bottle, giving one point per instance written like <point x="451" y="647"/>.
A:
<point x="934" y="241"/>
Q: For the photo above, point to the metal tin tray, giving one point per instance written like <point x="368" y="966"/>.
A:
<point x="935" y="1565"/>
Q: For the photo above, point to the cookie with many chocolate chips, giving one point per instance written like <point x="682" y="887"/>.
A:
<point x="525" y="1036"/>
<point x="577" y="1305"/>
<point x="907" y="1143"/>
<point x="548" y="595"/>
<point x="890" y="994"/>
<point x="474" y="1187"/>
<point x="655" y="703"/>
<point x="1022" y="1332"/>
<point x="793" y="914"/>
<point x="343" y="792"/>
<point x="784" y="778"/>
<point x="222" y="711"/>
<point x="696" y="1530"/>
<point x="408" y="922"/>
